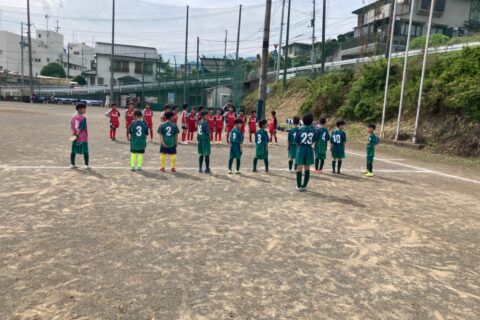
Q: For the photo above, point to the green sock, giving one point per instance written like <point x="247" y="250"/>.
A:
<point x="322" y="163"/>
<point x="333" y="165"/>
<point x="317" y="162"/>
<point x="290" y="165"/>
<point x="307" y="177"/>
<point x="266" y="164"/>
<point x="238" y="164"/>
<point x="200" y="162"/>
<point x="230" y="163"/>
<point x="133" y="159"/>
<point x="255" y="160"/>
<point x="299" y="179"/>
<point x="339" y="165"/>
<point x="140" y="160"/>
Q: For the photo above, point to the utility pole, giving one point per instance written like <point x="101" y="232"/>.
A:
<point x="225" y="50"/>
<point x="30" y="67"/>
<point x="68" y="60"/>
<point x="286" y="45"/>
<point x="324" y="26"/>
<point x="262" y="95"/>
<point x="198" y="70"/>
<point x="143" y="80"/>
<point x="185" y="78"/>
<point x="404" y="77"/>
<point x="314" y="57"/>
<point x="422" y="78"/>
<point x="22" y="45"/>
<point x="238" y="32"/>
<point x="279" y="56"/>
<point x="389" y="63"/>
<point x="112" y="92"/>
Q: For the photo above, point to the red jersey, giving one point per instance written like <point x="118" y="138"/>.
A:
<point x="129" y="117"/>
<point x="244" y="119"/>
<point x="114" y="116"/>
<point x="148" y="117"/>
<point x="175" y="117"/>
<point x="231" y="117"/>
<point x="252" y="124"/>
<point x="211" y="123"/>
<point x="184" y="116"/>
<point x="272" y="125"/>
<point x="218" y="120"/>
<point x="192" y="122"/>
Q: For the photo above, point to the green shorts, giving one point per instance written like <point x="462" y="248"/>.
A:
<point x="79" y="147"/>
<point x="304" y="156"/>
<point x="261" y="152"/>
<point x="235" y="151"/>
<point x="369" y="159"/>
<point x="204" y="147"/>
<point x="338" y="151"/>
<point x="292" y="151"/>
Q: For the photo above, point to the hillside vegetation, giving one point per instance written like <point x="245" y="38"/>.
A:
<point x="450" y="117"/>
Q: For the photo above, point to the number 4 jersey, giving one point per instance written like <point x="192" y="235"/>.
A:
<point x="138" y="136"/>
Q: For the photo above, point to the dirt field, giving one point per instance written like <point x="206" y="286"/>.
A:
<point x="111" y="244"/>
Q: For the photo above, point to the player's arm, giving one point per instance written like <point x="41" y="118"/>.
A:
<point x="107" y="114"/>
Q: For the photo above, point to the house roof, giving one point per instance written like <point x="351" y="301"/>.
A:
<point x="124" y="50"/>
<point x="371" y="6"/>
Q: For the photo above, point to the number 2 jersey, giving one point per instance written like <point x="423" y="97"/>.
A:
<point x="138" y="136"/>
<point x="168" y="131"/>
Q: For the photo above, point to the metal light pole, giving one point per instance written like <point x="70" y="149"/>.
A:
<point x="279" y="57"/>
<point x="404" y="77"/>
<point x="185" y="78"/>
<point x="22" y="46"/>
<point x="286" y="45"/>
<point x="422" y="78"/>
<point x="392" y="30"/>
<point x="324" y="27"/>
<point x="29" y="35"/>
<point x="262" y="94"/>
<point x="143" y="80"/>
<point x="314" y="55"/>
<point x="112" y="92"/>
<point x="238" y="32"/>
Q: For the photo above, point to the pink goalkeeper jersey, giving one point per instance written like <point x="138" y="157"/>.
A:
<point x="78" y="126"/>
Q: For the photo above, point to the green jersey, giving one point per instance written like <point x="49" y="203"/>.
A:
<point x="321" y="142"/>
<point x="338" y="137"/>
<point x="236" y="136"/>
<point x="306" y="136"/>
<point x="203" y="131"/>
<point x="292" y="136"/>
<point x="372" y="142"/>
<point x="138" y="136"/>
<point x="168" y="131"/>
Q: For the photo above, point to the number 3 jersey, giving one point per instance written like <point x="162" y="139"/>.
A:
<point x="138" y="136"/>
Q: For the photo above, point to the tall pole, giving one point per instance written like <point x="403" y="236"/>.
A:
<point x="422" y="78"/>
<point x="324" y="27"/>
<point x="186" y="61"/>
<point x="314" y="58"/>
<point x="238" y="32"/>
<point x="198" y="70"/>
<point x="68" y="60"/>
<point x="225" y="50"/>
<point x="262" y="95"/>
<point x="392" y="29"/>
<point x="279" y="56"/>
<point x="29" y="35"/>
<point x="22" y="45"/>
<point x="286" y="45"/>
<point x="404" y="77"/>
<point x="112" y="92"/>
<point x="143" y="80"/>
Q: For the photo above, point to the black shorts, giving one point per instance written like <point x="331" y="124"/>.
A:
<point x="168" y="150"/>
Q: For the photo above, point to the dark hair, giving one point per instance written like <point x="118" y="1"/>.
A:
<point x="274" y="113"/>
<point x="194" y="109"/>
<point x="185" y="106"/>
<point x="137" y="113"/>
<point x="113" y="104"/>
<point x="130" y="103"/>
<point x="308" y="119"/>
<point x="340" y="123"/>
<point x="253" y="111"/>
<point x="239" y="121"/>
<point x="203" y="113"/>
<point x="371" y="125"/>
<point x="242" y="111"/>
<point x="80" y="105"/>
<point x="168" y="107"/>
<point x="200" y="107"/>
<point x="323" y="120"/>
<point x="296" y="120"/>
<point x="262" y="123"/>
<point x="168" y="115"/>
<point x="175" y="107"/>
<point x="210" y="109"/>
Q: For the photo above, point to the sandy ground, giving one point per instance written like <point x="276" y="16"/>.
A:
<point x="111" y="244"/>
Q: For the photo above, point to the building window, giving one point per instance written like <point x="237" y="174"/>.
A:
<point x="92" y="81"/>
<point x="438" y="30"/>
<point x="138" y="67"/>
<point x="121" y="66"/>
<point x="48" y="60"/>
<point x="475" y="11"/>
<point x="100" y="81"/>
<point x="439" y="5"/>
<point x="77" y="53"/>
<point x="417" y="29"/>
<point x="38" y="60"/>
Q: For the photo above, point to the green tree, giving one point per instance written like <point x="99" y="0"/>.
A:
<point x="53" y="69"/>
<point x="80" y="80"/>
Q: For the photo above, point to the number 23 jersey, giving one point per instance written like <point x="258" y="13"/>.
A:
<point x="306" y="136"/>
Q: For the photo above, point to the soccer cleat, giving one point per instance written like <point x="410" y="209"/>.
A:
<point x="173" y="170"/>
<point x="139" y="169"/>
<point x="319" y="172"/>
<point x="200" y="171"/>
<point x="229" y="172"/>
<point x="270" y="143"/>
<point x="365" y="172"/>
<point x="254" y="170"/>
<point x="368" y="174"/>
<point x="266" y="170"/>
<point x="162" y="169"/>
<point x="207" y="171"/>
<point x="87" y="167"/>
<point x="338" y="172"/>
<point x="72" y="166"/>
<point x="132" y="169"/>
<point x="238" y="172"/>
<point x="299" y="189"/>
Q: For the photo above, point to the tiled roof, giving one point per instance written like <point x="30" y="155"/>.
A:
<point x="124" y="50"/>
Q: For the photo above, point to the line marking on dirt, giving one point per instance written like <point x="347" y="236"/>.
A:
<point x="425" y="170"/>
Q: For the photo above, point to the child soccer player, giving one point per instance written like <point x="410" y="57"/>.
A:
<point x="338" y="139"/>
<point x="242" y="117"/>
<point x="252" y="125"/>
<point x="184" y="117"/>
<point x="272" y="127"/>
<point x="211" y="123"/>
<point x="175" y="114"/>
<point x="114" y="115"/>
<point x="192" y="124"/>
<point x="292" y="144"/>
<point x="230" y="120"/>
<point x="138" y="133"/>
<point x="218" y="119"/>
<point x="129" y="117"/>
<point x="168" y="133"/>
<point x="372" y="142"/>
<point x="261" y="152"/>
<point x="165" y="110"/>
<point x="148" y="117"/>
<point x="321" y="146"/>
<point x="236" y="141"/>
<point x="305" y="140"/>
<point x="204" y="145"/>
<point x="78" y="125"/>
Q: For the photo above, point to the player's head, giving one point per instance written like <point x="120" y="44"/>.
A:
<point x="230" y="107"/>
<point x="194" y="110"/>
<point x="308" y="119"/>
<point x="323" y="121"/>
<point x="238" y="123"/>
<point x="113" y="105"/>
<point x="138" y="114"/>
<point x="274" y="113"/>
<point x="200" y="108"/>
<point x="185" y="106"/>
<point x="130" y="105"/>
<point x="168" y="115"/>
<point x="175" y="108"/>
<point x="296" y="121"/>
<point x="210" y="110"/>
<point x="167" y="108"/>
<point x="253" y="112"/>
<point x="147" y="104"/>
<point x="219" y="111"/>
<point x="242" y="112"/>
<point x="262" y="124"/>
<point x="340" y="124"/>
<point x="204" y="115"/>
<point x="371" y="127"/>
<point x="81" y="108"/>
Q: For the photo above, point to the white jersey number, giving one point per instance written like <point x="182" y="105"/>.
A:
<point x="337" y="138"/>
<point x="307" y="138"/>
<point x="169" y="131"/>
<point x="139" y="131"/>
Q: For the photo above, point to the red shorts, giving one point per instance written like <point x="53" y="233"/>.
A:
<point x="218" y="129"/>
<point x="192" y="128"/>
<point x="251" y="130"/>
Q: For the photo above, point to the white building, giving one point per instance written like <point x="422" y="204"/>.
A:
<point x="129" y="63"/>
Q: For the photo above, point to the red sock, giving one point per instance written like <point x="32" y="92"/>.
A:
<point x="184" y="135"/>
<point x="114" y="133"/>
<point x="151" y="133"/>
<point x="111" y="137"/>
<point x="127" y="134"/>
<point x="228" y="138"/>
<point x="276" y="138"/>
<point x="211" y="136"/>
<point x="250" y="137"/>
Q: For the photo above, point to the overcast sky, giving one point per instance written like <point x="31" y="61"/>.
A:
<point x="161" y="23"/>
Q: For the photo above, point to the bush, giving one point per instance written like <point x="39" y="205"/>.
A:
<point x="80" y="80"/>
<point x="436" y="40"/>
<point x="53" y="69"/>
